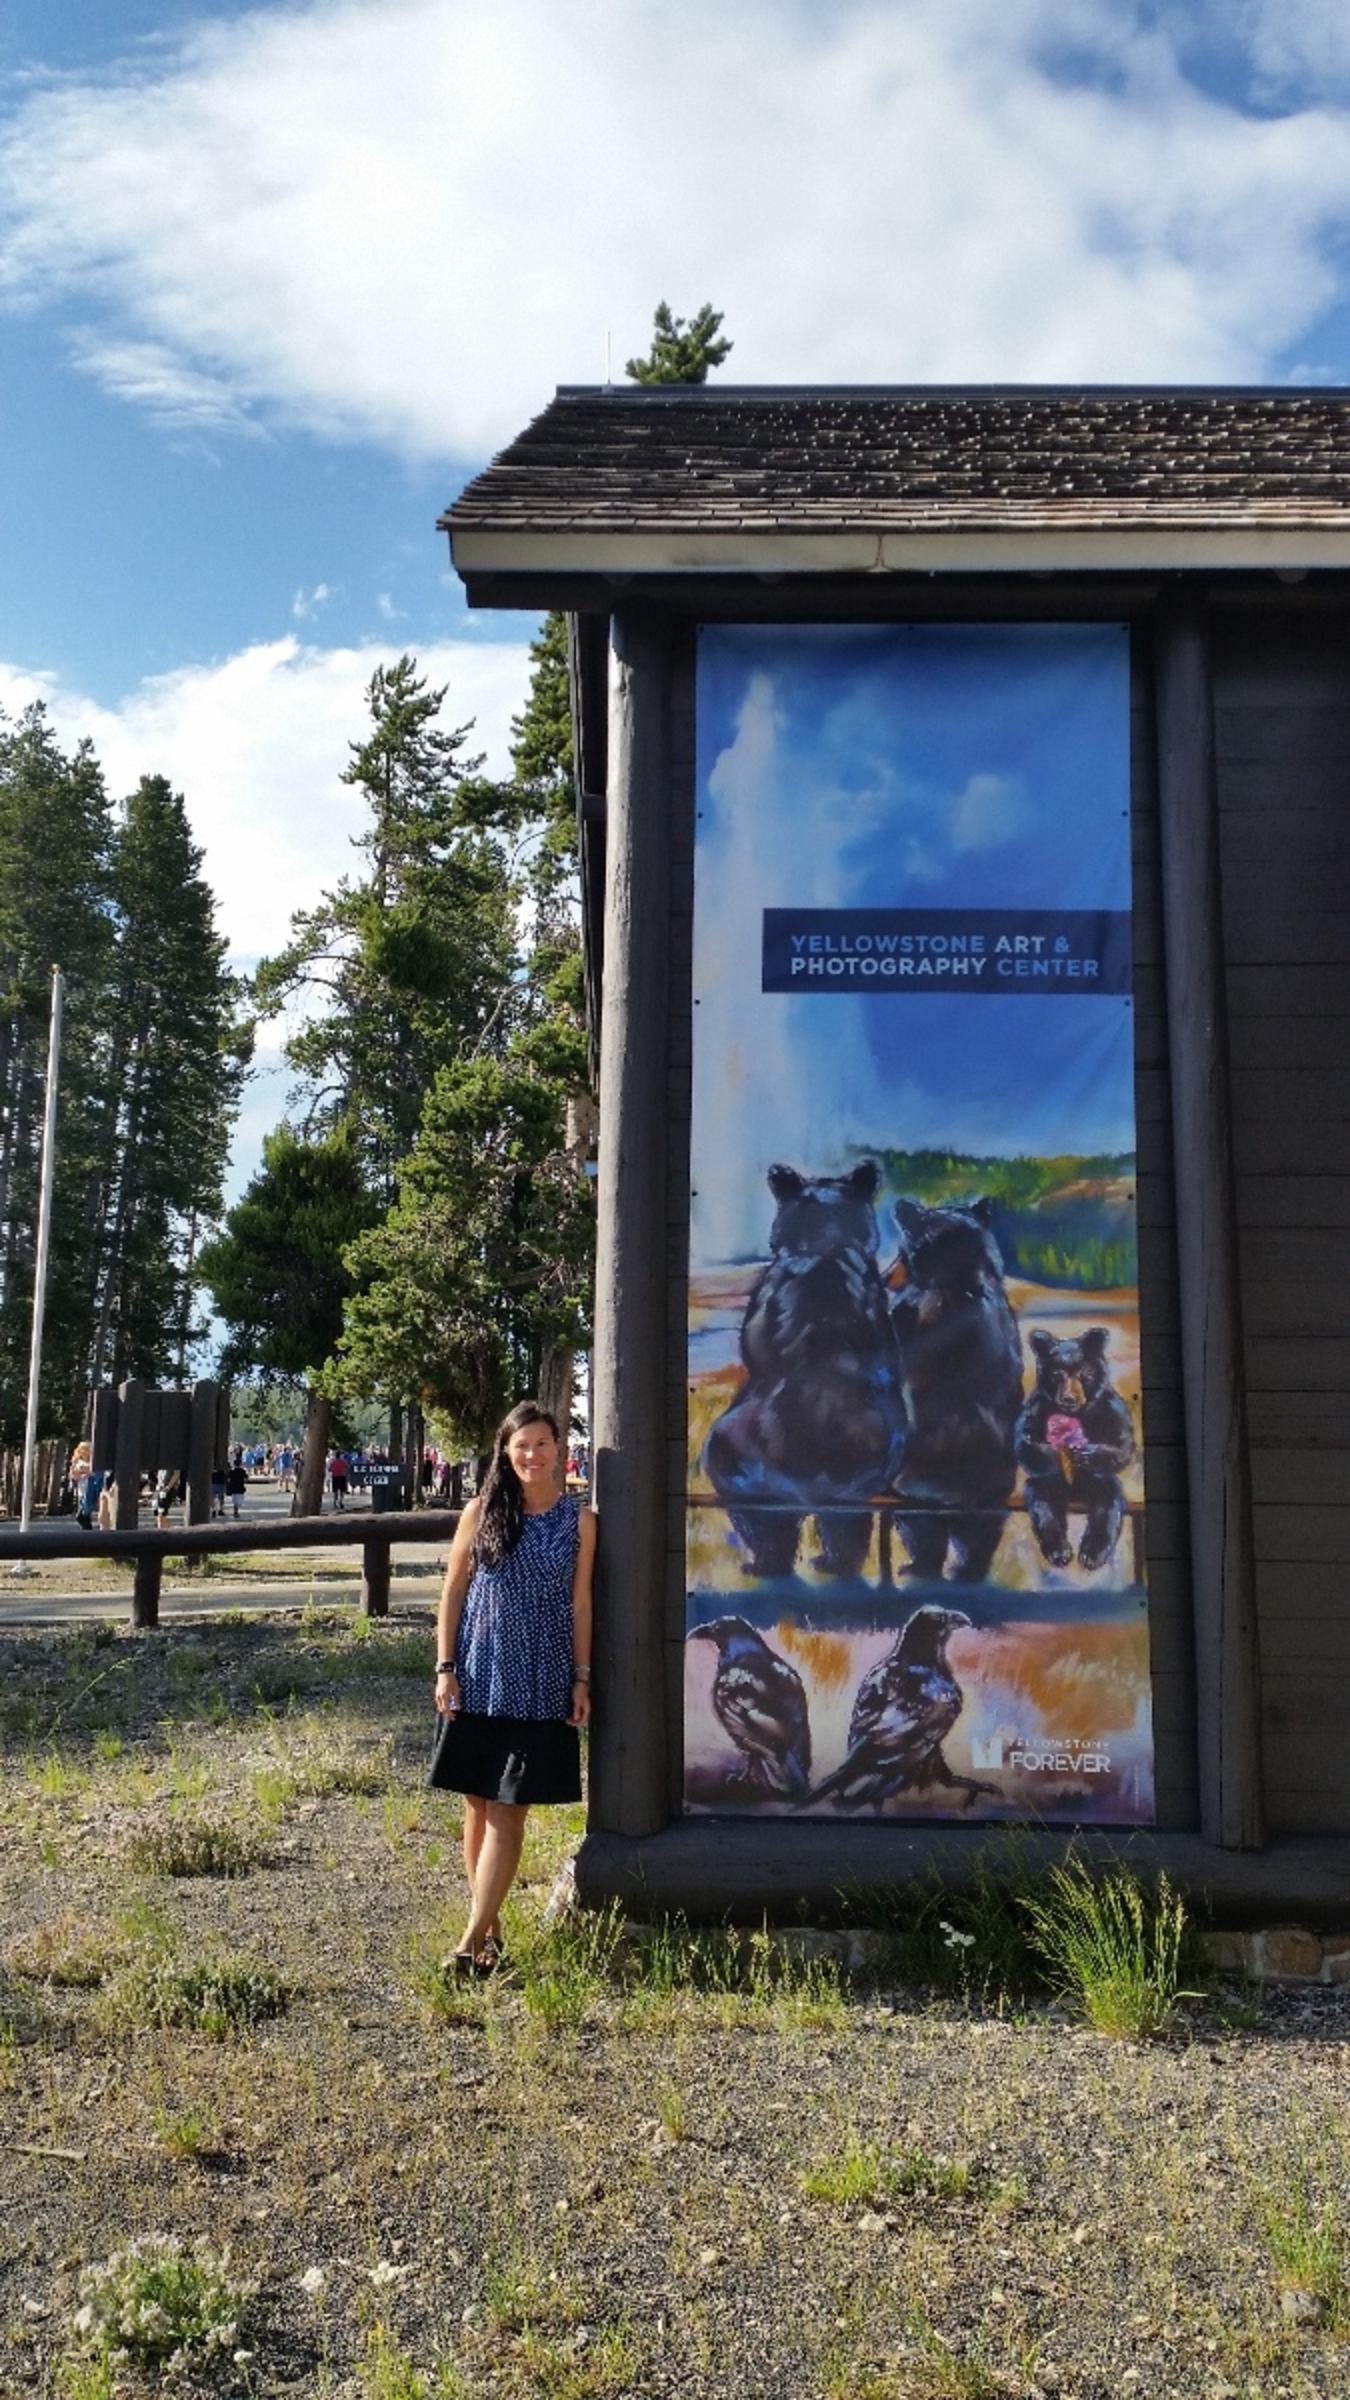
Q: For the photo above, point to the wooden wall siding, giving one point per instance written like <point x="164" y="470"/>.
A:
<point x="1282" y="702"/>
<point x="1168" y="1555"/>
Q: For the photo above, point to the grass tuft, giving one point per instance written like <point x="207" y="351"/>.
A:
<point x="1309" y="2244"/>
<point x="194" y="1845"/>
<point x="215" y="1996"/>
<point x="66" y="1951"/>
<point x="1112" y="1946"/>
<point x="863" y="2174"/>
<point x="387" y="2373"/>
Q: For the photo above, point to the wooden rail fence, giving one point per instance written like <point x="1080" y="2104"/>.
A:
<point x="376" y="1531"/>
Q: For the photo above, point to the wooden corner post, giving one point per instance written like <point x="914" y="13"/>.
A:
<point x="629" y="1783"/>
<point x="1217" y="1462"/>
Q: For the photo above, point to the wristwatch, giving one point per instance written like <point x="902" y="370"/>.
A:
<point x="446" y="1666"/>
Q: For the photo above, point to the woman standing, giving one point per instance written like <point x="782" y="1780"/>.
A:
<point x="513" y="1668"/>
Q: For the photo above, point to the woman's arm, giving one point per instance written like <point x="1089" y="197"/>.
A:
<point x="583" y="1576"/>
<point x="458" y="1569"/>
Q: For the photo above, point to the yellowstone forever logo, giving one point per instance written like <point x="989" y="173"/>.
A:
<point x="915" y="1549"/>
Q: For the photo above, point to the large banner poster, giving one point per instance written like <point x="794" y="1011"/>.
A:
<point x="916" y="1582"/>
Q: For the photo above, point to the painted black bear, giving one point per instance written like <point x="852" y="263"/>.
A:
<point x="1074" y="1441"/>
<point x="819" y="1426"/>
<point x="961" y="1376"/>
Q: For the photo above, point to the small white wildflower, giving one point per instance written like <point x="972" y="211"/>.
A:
<point x="314" y="2281"/>
<point x="385" y="2273"/>
<point x="84" y="2318"/>
<point x="243" y="2357"/>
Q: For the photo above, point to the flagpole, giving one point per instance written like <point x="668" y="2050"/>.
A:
<point x="44" y="1238"/>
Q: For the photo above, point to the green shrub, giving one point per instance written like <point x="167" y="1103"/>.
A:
<point x="160" y="2306"/>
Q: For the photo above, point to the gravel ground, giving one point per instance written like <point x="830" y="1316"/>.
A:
<point x="583" y="2181"/>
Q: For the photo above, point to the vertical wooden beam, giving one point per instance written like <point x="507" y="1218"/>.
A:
<point x="127" y="1455"/>
<point x="629" y="1793"/>
<point x="1217" y="1460"/>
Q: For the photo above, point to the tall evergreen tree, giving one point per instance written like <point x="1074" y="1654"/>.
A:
<point x="277" y="1273"/>
<point x="402" y="964"/>
<point x="55" y="908"/>
<point x="176" y="1054"/>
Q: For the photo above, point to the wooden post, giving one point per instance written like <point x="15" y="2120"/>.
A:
<point x="127" y="1455"/>
<point x="375" y="1576"/>
<point x="1218" y="1464"/>
<point x="629" y="1781"/>
<point x="201" y="1452"/>
<point x="103" y="1432"/>
<point x="145" y="1590"/>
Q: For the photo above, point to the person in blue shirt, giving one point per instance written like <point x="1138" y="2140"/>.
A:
<point x="513" y="1671"/>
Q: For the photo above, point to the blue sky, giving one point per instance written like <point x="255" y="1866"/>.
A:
<point x="275" y="281"/>
<point x="942" y="768"/>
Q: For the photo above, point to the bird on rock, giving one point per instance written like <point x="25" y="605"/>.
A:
<point x="760" y="1702"/>
<point x="905" y="1707"/>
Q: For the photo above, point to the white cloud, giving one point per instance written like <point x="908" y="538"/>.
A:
<point x="307" y="604"/>
<point x="991" y="809"/>
<point x="173" y="393"/>
<point x="257" y="744"/>
<point x="406" y="219"/>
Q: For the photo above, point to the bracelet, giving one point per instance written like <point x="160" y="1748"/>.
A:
<point x="446" y="1666"/>
<point x="581" y="1674"/>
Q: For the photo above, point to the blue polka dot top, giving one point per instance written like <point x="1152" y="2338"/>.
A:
<point x="513" y="1654"/>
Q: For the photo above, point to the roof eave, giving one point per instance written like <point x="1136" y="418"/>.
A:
<point x="571" y="552"/>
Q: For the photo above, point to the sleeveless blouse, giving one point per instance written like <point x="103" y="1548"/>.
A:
<point x="513" y="1652"/>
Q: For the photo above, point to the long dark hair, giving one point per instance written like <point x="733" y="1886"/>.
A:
<point x="501" y="1512"/>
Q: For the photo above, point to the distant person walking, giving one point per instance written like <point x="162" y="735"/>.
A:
<point x="166" y="1492"/>
<point x="513" y="1674"/>
<point x="236" y="1480"/>
<point x="337" y="1476"/>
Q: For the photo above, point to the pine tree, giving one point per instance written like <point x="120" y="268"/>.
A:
<point x="405" y="963"/>
<point x="177" y="1049"/>
<point x="55" y="908"/>
<point x="680" y="352"/>
<point x="278" y="1275"/>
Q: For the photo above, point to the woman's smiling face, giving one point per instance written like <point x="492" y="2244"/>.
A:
<point x="533" y="1452"/>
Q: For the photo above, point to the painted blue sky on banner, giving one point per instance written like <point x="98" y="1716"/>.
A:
<point x="973" y="767"/>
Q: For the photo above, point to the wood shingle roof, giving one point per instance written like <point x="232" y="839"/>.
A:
<point x="715" y="458"/>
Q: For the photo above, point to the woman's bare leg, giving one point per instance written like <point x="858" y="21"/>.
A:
<point x="498" y="1860"/>
<point x="475" y="1826"/>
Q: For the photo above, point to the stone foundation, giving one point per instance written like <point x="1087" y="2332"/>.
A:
<point x="1281" y="1954"/>
<point x="1275" y="1954"/>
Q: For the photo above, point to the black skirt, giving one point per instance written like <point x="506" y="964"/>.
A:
<point x="527" y="1762"/>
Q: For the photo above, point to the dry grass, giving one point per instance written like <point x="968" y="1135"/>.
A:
<point x="638" y="2166"/>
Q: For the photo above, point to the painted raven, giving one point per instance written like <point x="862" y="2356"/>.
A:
<point x="760" y="1701"/>
<point x="906" y="1705"/>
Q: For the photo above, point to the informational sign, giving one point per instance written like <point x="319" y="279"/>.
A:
<point x="916" y="1580"/>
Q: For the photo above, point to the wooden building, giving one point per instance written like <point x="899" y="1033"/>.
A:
<point x="1215" y="526"/>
